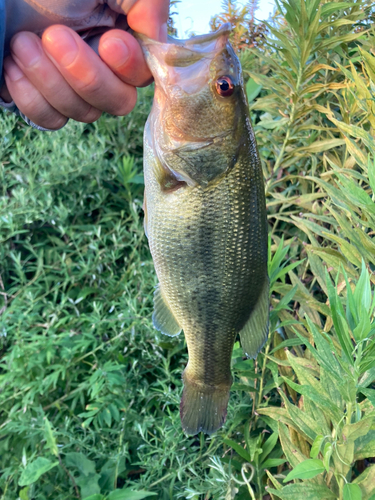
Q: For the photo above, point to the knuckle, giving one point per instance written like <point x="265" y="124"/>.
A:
<point x="40" y="112"/>
<point x="146" y="82"/>
<point x="90" y="115"/>
<point x="91" y="84"/>
<point x="126" y="105"/>
<point x="50" y="118"/>
<point x="31" y="104"/>
<point x="55" y="124"/>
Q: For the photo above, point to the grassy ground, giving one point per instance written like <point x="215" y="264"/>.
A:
<point x="77" y="344"/>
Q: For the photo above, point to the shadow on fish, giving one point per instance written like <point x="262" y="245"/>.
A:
<point x="205" y="216"/>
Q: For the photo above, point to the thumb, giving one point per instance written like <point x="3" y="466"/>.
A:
<point x="150" y="17"/>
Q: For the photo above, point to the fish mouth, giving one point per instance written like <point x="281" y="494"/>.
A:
<point x="183" y="64"/>
<point x="207" y="37"/>
<point x="200" y="44"/>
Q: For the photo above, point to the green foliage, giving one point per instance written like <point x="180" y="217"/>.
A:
<point x="245" y="31"/>
<point x="89" y="391"/>
<point x="330" y="399"/>
<point x="316" y="73"/>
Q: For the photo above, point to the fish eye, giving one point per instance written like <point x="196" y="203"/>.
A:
<point x="224" y="86"/>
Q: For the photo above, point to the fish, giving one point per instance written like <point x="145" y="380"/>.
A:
<point x="205" y="216"/>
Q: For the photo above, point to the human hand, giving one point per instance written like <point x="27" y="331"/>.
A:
<point x="60" y="76"/>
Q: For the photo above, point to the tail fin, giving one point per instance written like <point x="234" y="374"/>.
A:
<point x="203" y="407"/>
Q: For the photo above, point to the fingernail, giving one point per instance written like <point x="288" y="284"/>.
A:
<point x="116" y="52"/>
<point x="26" y="49"/>
<point x="163" y="33"/>
<point x="12" y="71"/>
<point x="61" y="45"/>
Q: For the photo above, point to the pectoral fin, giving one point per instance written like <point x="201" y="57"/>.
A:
<point x="255" y="332"/>
<point x="145" y="213"/>
<point x="162" y="318"/>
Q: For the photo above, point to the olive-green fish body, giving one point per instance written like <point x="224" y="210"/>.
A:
<point x="205" y="219"/>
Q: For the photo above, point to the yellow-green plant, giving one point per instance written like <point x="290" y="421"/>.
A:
<point x="331" y="426"/>
<point x="314" y="125"/>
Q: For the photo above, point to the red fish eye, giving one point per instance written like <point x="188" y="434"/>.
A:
<point x="224" y="86"/>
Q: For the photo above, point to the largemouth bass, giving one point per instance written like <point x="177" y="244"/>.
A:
<point x="205" y="216"/>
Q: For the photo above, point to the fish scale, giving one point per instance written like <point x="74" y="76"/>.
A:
<point x="207" y="232"/>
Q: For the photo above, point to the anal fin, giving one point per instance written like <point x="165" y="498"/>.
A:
<point x="162" y="318"/>
<point x="255" y="332"/>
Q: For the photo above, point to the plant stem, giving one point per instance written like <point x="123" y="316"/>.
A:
<point x="340" y="482"/>
<point x="261" y="382"/>
<point x="69" y="476"/>
<point x="119" y="453"/>
<point x="259" y="485"/>
<point x="9" y="480"/>
<point x="160" y="480"/>
<point x="349" y="411"/>
<point x="280" y="156"/>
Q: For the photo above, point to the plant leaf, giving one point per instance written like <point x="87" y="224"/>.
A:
<point x="273" y="462"/>
<point x="352" y="492"/>
<point x="354" y="431"/>
<point x="268" y="446"/>
<point x="305" y="491"/>
<point x="128" y="494"/>
<point x="252" y="89"/>
<point x="291" y="451"/>
<point x="35" y="469"/>
<point x="365" y="446"/>
<point x="327" y="453"/>
<point x="317" y="444"/>
<point x="89" y="484"/>
<point x="370" y="395"/>
<point x="50" y="438"/>
<point x="306" y="470"/>
<point x="238" y="449"/>
<point x="79" y="460"/>
<point x="366" y="482"/>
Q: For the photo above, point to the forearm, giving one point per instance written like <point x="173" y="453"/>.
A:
<point x="10" y="106"/>
<point x="2" y="38"/>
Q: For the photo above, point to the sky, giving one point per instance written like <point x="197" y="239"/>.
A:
<point x="194" y="15"/>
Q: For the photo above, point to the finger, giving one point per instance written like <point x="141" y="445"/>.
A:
<point x="29" y="100"/>
<point x="123" y="54"/>
<point x="86" y="73"/>
<point x="150" y="17"/>
<point x="28" y="53"/>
